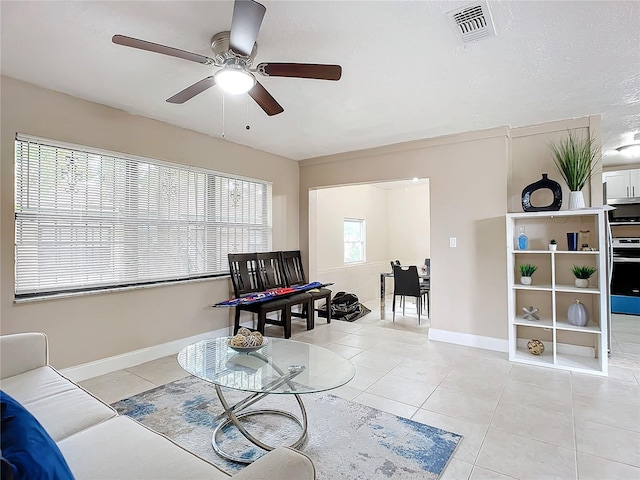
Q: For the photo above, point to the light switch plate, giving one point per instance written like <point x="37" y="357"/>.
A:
<point x="452" y="242"/>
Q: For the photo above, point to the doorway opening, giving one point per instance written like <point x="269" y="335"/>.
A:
<point x="397" y="224"/>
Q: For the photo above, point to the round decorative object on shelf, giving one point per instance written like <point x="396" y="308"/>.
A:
<point x="582" y="282"/>
<point x="525" y="280"/>
<point x="578" y="314"/>
<point x="536" y="347"/>
<point x="544" y="183"/>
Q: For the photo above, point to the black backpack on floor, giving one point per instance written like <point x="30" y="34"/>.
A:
<point x="344" y="303"/>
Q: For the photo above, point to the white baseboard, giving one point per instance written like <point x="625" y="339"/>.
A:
<point x="469" y="340"/>
<point x="130" y="359"/>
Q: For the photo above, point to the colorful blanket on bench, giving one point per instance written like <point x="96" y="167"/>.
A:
<point x="269" y="294"/>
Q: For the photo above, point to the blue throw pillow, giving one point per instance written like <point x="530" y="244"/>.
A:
<point x="28" y="452"/>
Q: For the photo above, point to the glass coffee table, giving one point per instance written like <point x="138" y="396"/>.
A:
<point x="281" y="367"/>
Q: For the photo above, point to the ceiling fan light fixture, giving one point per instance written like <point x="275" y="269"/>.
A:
<point x="234" y="79"/>
<point x="633" y="148"/>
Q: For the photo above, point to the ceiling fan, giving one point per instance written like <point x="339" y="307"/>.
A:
<point x="235" y="51"/>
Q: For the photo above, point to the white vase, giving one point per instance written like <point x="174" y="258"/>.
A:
<point x="582" y="282"/>
<point x="578" y="314"/>
<point x="525" y="280"/>
<point x="553" y="246"/>
<point x="576" y="200"/>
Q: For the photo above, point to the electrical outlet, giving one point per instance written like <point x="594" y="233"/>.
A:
<point x="452" y="242"/>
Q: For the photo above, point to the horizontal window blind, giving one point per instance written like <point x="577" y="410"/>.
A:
<point x="87" y="219"/>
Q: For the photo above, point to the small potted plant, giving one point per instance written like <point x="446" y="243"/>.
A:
<point x="553" y="244"/>
<point x="582" y="275"/>
<point x="526" y="270"/>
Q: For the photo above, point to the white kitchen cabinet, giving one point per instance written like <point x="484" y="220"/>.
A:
<point x="568" y="347"/>
<point x="622" y="183"/>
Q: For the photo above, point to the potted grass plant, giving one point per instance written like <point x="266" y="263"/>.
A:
<point x="526" y="271"/>
<point x="582" y="274"/>
<point x="576" y="160"/>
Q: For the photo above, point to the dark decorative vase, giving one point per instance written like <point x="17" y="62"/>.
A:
<point x="549" y="184"/>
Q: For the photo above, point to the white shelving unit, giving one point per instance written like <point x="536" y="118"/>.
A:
<point x="569" y="347"/>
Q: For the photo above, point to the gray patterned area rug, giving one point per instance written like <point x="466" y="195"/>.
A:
<point x="346" y="440"/>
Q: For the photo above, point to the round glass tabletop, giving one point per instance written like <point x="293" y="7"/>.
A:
<point x="281" y="366"/>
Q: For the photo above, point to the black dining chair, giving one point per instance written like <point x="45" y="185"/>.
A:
<point x="294" y="272"/>
<point x="406" y="283"/>
<point x="243" y="268"/>
<point x="271" y="274"/>
<point x="425" y="283"/>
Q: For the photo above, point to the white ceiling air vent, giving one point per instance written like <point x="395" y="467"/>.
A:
<point x="473" y="22"/>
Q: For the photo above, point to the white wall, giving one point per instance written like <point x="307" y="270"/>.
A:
<point x="409" y="224"/>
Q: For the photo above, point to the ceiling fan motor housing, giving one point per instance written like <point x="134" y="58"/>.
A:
<point x="223" y="53"/>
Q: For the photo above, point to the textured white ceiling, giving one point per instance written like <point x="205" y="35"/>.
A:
<point x="406" y="75"/>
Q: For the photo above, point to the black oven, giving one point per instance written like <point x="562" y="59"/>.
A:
<point x="626" y="211"/>
<point x="625" y="281"/>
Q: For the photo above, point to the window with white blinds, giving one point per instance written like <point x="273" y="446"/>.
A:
<point x="87" y="219"/>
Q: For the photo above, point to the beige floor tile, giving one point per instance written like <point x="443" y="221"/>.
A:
<point x="627" y="337"/>
<point x="399" y="348"/>
<point x="341" y="326"/>
<point x="617" y="444"/>
<point x="473" y="433"/>
<point x="625" y="324"/>
<point x="490" y="354"/>
<point x="629" y="348"/>
<point x="622" y="374"/>
<point x="525" y="458"/>
<point x="344" y="350"/>
<point x="607" y="412"/>
<point x="437" y="355"/>
<point x="386" y="405"/>
<point x="374" y="331"/>
<point x="596" y="468"/>
<point x="452" y="403"/>
<point x="457" y="470"/>
<point x="488" y="385"/>
<point x="537" y="396"/>
<point x="365" y="377"/>
<point x="540" y="376"/>
<point x="373" y="359"/>
<point x="359" y="341"/>
<point x="483" y="365"/>
<point x="124" y="386"/>
<point x="536" y="423"/>
<point x="421" y="370"/>
<point x="604" y="387"/>
<point x="90" y="382"/>
<point x="401" y="389"/>
<point x="480" y="473"/>
<point x="160" y="372"/>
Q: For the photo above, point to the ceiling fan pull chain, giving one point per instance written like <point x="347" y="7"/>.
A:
<point x="223" y="95"/>
<point x="248" y="127"/>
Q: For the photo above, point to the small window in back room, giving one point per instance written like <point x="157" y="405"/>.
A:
<point x="354" y="240"/>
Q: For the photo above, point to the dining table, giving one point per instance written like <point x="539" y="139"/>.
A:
<point x="383" y="293"/>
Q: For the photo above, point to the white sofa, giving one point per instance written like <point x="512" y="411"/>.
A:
<point x="97" y="443"/>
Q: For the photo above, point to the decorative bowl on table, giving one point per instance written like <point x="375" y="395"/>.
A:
<point x="246" y="341"/>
